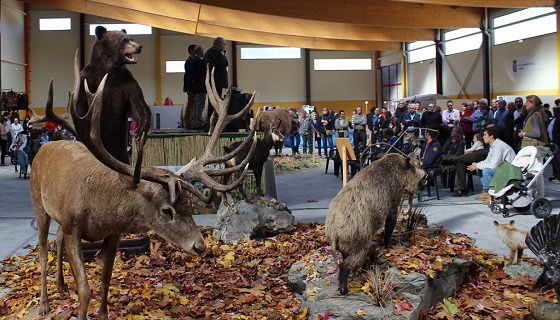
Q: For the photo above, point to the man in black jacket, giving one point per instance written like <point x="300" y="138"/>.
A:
<point x="215" y="58"/>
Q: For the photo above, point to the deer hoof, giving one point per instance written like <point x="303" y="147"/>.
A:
<point x="44" y="313"/>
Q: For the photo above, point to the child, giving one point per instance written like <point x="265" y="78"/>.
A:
<point x="477" y="145"/>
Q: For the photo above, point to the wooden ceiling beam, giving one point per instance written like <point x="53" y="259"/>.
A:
<point x="236" y="19"/>
<point x="372" y="12"/>
<point x="168" y="23"/>
<point x="294" y="41"/>
<point x="487" y="3"/>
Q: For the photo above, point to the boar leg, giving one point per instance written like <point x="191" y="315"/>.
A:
<point x="390" y="223"/>
<point x="343" y="272"/>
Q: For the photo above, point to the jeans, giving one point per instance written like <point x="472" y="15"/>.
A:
<point x="295" y="142"/>
<point x="487" y="175"/>
<point x="324" y="140"/>
<point x="306" y="141"/>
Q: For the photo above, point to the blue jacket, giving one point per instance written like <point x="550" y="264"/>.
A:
<point x="430" y="154"/>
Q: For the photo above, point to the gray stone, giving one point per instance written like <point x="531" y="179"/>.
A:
<point x="248" y="220"/>
<point x="547" y="310"/>
<point x="315" y="280"/>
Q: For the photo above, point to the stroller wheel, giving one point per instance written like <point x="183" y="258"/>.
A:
<point x="505" y="213"/>
<point x="541" y="208"/>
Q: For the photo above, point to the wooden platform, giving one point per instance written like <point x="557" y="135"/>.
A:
<point x="179" y="148"/>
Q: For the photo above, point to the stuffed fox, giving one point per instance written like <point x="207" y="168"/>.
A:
<point x="513" y="238"/>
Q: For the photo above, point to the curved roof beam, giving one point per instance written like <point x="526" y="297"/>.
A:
<point x="370" y="12"/>
<point x="488" y="3"/>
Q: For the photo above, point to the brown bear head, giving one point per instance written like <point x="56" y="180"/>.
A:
<point x="114" y="48"/>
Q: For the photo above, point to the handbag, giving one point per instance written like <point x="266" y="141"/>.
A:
<point x="328" y="132"/>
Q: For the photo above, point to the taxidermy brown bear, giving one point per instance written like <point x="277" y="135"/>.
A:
<point x="122" y="96"/>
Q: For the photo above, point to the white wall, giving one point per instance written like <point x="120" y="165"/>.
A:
<point x="51" y="56"/>
<point x="342" y="85"/>
<point x="461" y="64"/>
<point x="421" y="78"/>
<point x="544" y="81"/>
<point x="276" y="81"/>
<point x="12" y="52"/>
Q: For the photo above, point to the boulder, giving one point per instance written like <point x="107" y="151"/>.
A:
<point x="250" y="220"/>
<point x="315" y="280"/>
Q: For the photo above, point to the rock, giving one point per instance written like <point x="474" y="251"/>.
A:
<point x="547" y="310"/>
<point x="314" y="279"/>
<point x="248" y="220"/>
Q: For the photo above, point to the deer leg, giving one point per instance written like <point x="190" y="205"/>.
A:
<point x="258" y="178"/>
<point x="43" y="222"/>
<point x="60" y="285"/>
<point x="76" y="257"/>
<point x="110" y="247"/>
<point x="225" y="179"/>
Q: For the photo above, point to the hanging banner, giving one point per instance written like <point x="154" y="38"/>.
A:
<point x="523" y="66"/>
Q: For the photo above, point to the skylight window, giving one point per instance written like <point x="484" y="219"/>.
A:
<point x="55" y="24"/>
<point x="131" y="28"/>
<point x="172" y="66"/>
<point x="545" y="24"/>
<point x="462" y="40"/>
<point x="342" y="64"/>
<point x="270" y="53"/>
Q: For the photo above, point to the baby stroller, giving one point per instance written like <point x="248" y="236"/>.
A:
<point x="508" y="185"/>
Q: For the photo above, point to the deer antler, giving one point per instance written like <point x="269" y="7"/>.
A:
<point x="221" y="109"/>
<point x="65" y="119"/>
<point x="195" y="171"/>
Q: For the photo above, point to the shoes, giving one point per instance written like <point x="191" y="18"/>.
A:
<point x="4" y="164"/>
<point x="460" y="193"/>
<point x="483" y="196"/>
<point x="552" y="178"/>
<point x="486" y="202"/>
<point x="555" y="181"/>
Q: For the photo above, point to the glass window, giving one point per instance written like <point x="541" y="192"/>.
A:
<point x="270" y="53"/>
<point x="469" y="39"/>
<point x="421" y="50"/>
<point x="391" y="82"/>
<point x="131" y="28"/>
<point x="526" y="29"/>
<point x="174" y="66"/>
<point x="342" y="64"/>
<point x="55" y="24"/>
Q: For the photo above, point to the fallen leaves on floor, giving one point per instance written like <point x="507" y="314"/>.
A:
<point x="248" y="280"/>
<point x="292" y="163"/>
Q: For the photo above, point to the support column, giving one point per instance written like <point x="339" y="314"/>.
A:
<point x="485" y="59"/>
<point x="557" y="7"/>
<point x="307" y="77"/>
<point x="404" y="61"/>
<point x="82" y="41"/>
<point x="234" y="64"/>
<point x="439" y="63"/>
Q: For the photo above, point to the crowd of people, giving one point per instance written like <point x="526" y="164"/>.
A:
<point x="474" y="138"/>
<point x="21" y="140"/>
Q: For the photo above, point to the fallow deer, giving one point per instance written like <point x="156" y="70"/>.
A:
<point x="93" y="196"/>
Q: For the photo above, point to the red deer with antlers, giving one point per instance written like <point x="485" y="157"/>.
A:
<point x="93" y="196"/>
<point x="278" y="123"/>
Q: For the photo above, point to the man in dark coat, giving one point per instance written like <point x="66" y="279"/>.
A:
<point x="215" y="57"/>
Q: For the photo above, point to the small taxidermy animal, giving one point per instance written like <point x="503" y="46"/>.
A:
<point x="544" y="242"/>
<point x="513" y="238"/>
